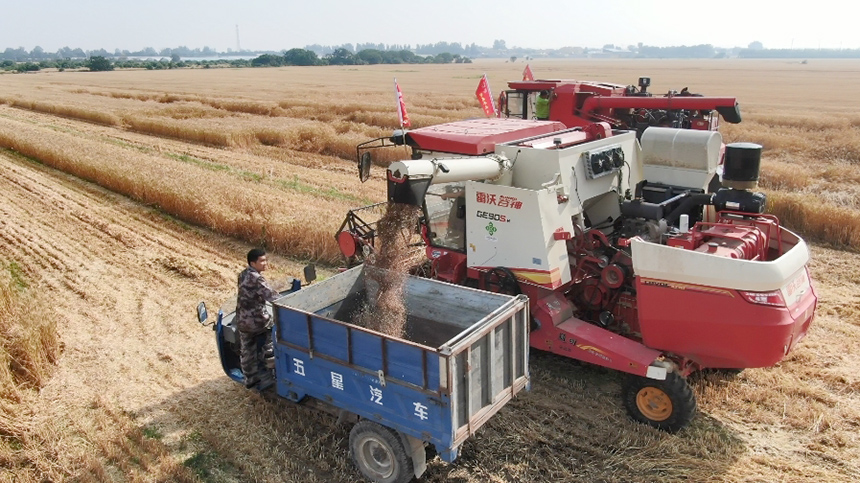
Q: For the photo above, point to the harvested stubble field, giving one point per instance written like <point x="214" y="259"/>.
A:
<point x="123" y="197"/>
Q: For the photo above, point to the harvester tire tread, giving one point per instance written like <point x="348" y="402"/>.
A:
<point x="676" y="394"/>
<point x="378" y="453"/>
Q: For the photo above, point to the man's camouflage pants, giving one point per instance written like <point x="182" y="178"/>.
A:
<point x="256" y="351"/>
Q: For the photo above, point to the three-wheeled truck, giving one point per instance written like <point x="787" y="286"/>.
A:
<point x="465" y="356"/>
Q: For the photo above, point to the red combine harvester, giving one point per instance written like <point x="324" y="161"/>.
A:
<point x="630" y="258"/>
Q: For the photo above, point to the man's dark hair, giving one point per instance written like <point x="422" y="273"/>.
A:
<point x="544" y="93"/>
<point x="255" y="254"/>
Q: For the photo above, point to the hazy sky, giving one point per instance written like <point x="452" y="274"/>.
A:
<point x="284" y="24"/>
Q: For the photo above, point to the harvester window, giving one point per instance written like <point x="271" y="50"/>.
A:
<point x="515" y="106"/>
<point x="446" y="216"/>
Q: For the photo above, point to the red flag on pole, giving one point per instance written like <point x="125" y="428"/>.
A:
<point x="527" y="74"/>
<point x="401" y="107"/>
<point x="485" y="97"/>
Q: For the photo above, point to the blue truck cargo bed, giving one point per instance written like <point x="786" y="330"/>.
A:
<point x="464" y="356"/>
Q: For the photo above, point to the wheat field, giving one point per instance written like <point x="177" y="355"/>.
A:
<point x="271" y="132"/>
<point x="209" y="162"/>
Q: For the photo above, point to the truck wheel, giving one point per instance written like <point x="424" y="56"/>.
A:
<point x="667" y="405"/>
<point x="379" y="454"/>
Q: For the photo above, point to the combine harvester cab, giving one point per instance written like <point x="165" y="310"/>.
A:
<point x="633" y="255"/>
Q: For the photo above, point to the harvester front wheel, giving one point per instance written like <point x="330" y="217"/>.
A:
<point x="668" y="405"/>
<point x="379" y="454"/>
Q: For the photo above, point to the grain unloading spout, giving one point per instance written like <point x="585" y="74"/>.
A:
<point x="408" y="180"/>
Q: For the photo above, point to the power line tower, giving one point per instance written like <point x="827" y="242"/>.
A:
<point x="238" y="45"/>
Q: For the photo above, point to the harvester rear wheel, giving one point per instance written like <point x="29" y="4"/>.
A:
<point x="379" y="454"/>
<point x="667" y="405"/>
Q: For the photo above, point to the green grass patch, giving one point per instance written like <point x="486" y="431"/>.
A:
<point x="22" y="157"/>
<point x="296" y="185"/>
<point x="211" y="166"/>
<point x="126" y="144"/>
<point x="152" y="433"/>
<point x="16" y="273"/>
<point x="172" y="219"/>
<point x="200" y="162"/>
<point x="201" y="463"/>
<point x="210" y="467"/>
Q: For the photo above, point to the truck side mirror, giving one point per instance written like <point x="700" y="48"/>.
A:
<point x="364" y="166"/>
<point x="202" y="315"/>
<point x="310" y="273"/>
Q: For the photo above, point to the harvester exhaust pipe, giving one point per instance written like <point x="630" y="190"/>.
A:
<point x="409" y="180"/>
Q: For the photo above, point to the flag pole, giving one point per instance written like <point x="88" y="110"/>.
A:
<point x="400" y="114"/>
<point x="490" y="92"/>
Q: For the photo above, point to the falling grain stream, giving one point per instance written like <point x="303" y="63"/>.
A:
<point x="387" y="312"/>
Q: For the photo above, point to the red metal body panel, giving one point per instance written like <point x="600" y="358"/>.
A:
<point x="580" y="103"/>
<point x="475" y="137"/>
<point x="447" y="265"/>
<point x="694" y="103"/>
<point x="724" y="239"/>
<point x="717" y="327"/>
<point x="602" y="88"/>
<point x="563" y="334"/>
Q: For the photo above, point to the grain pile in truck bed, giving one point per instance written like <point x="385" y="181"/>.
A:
<point x="387" y="312"/>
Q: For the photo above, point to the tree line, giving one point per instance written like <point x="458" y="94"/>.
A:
<point x="98" y="63"/>
<point x="342" y="56"/>
<point x="377" y="53"/>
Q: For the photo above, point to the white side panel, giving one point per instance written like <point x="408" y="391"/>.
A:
<point x="534" y="168"/>
<point x="661" y="262"/>
<point x="513" y="228"/>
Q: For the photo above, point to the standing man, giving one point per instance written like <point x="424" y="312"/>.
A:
<point x="542" y="106"/>
<point x="254" y="321"/>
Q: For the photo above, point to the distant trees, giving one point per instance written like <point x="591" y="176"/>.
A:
<point x="267" y="60"/>
<point x="66" y="58"/>
<point x="340" y="56"/>
<point x="27" y="67"/>
<point x="98" y="63"/>
<point x="443" y="58"/>
<point x="370" y="56"/>
<point x="703" y="51"/>
<point x="300" y="57"/>
<point x="440" y="47"/>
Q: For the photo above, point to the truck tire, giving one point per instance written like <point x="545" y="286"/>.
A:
<point x="668" y="405"/>
<point x="379" y="454"/>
